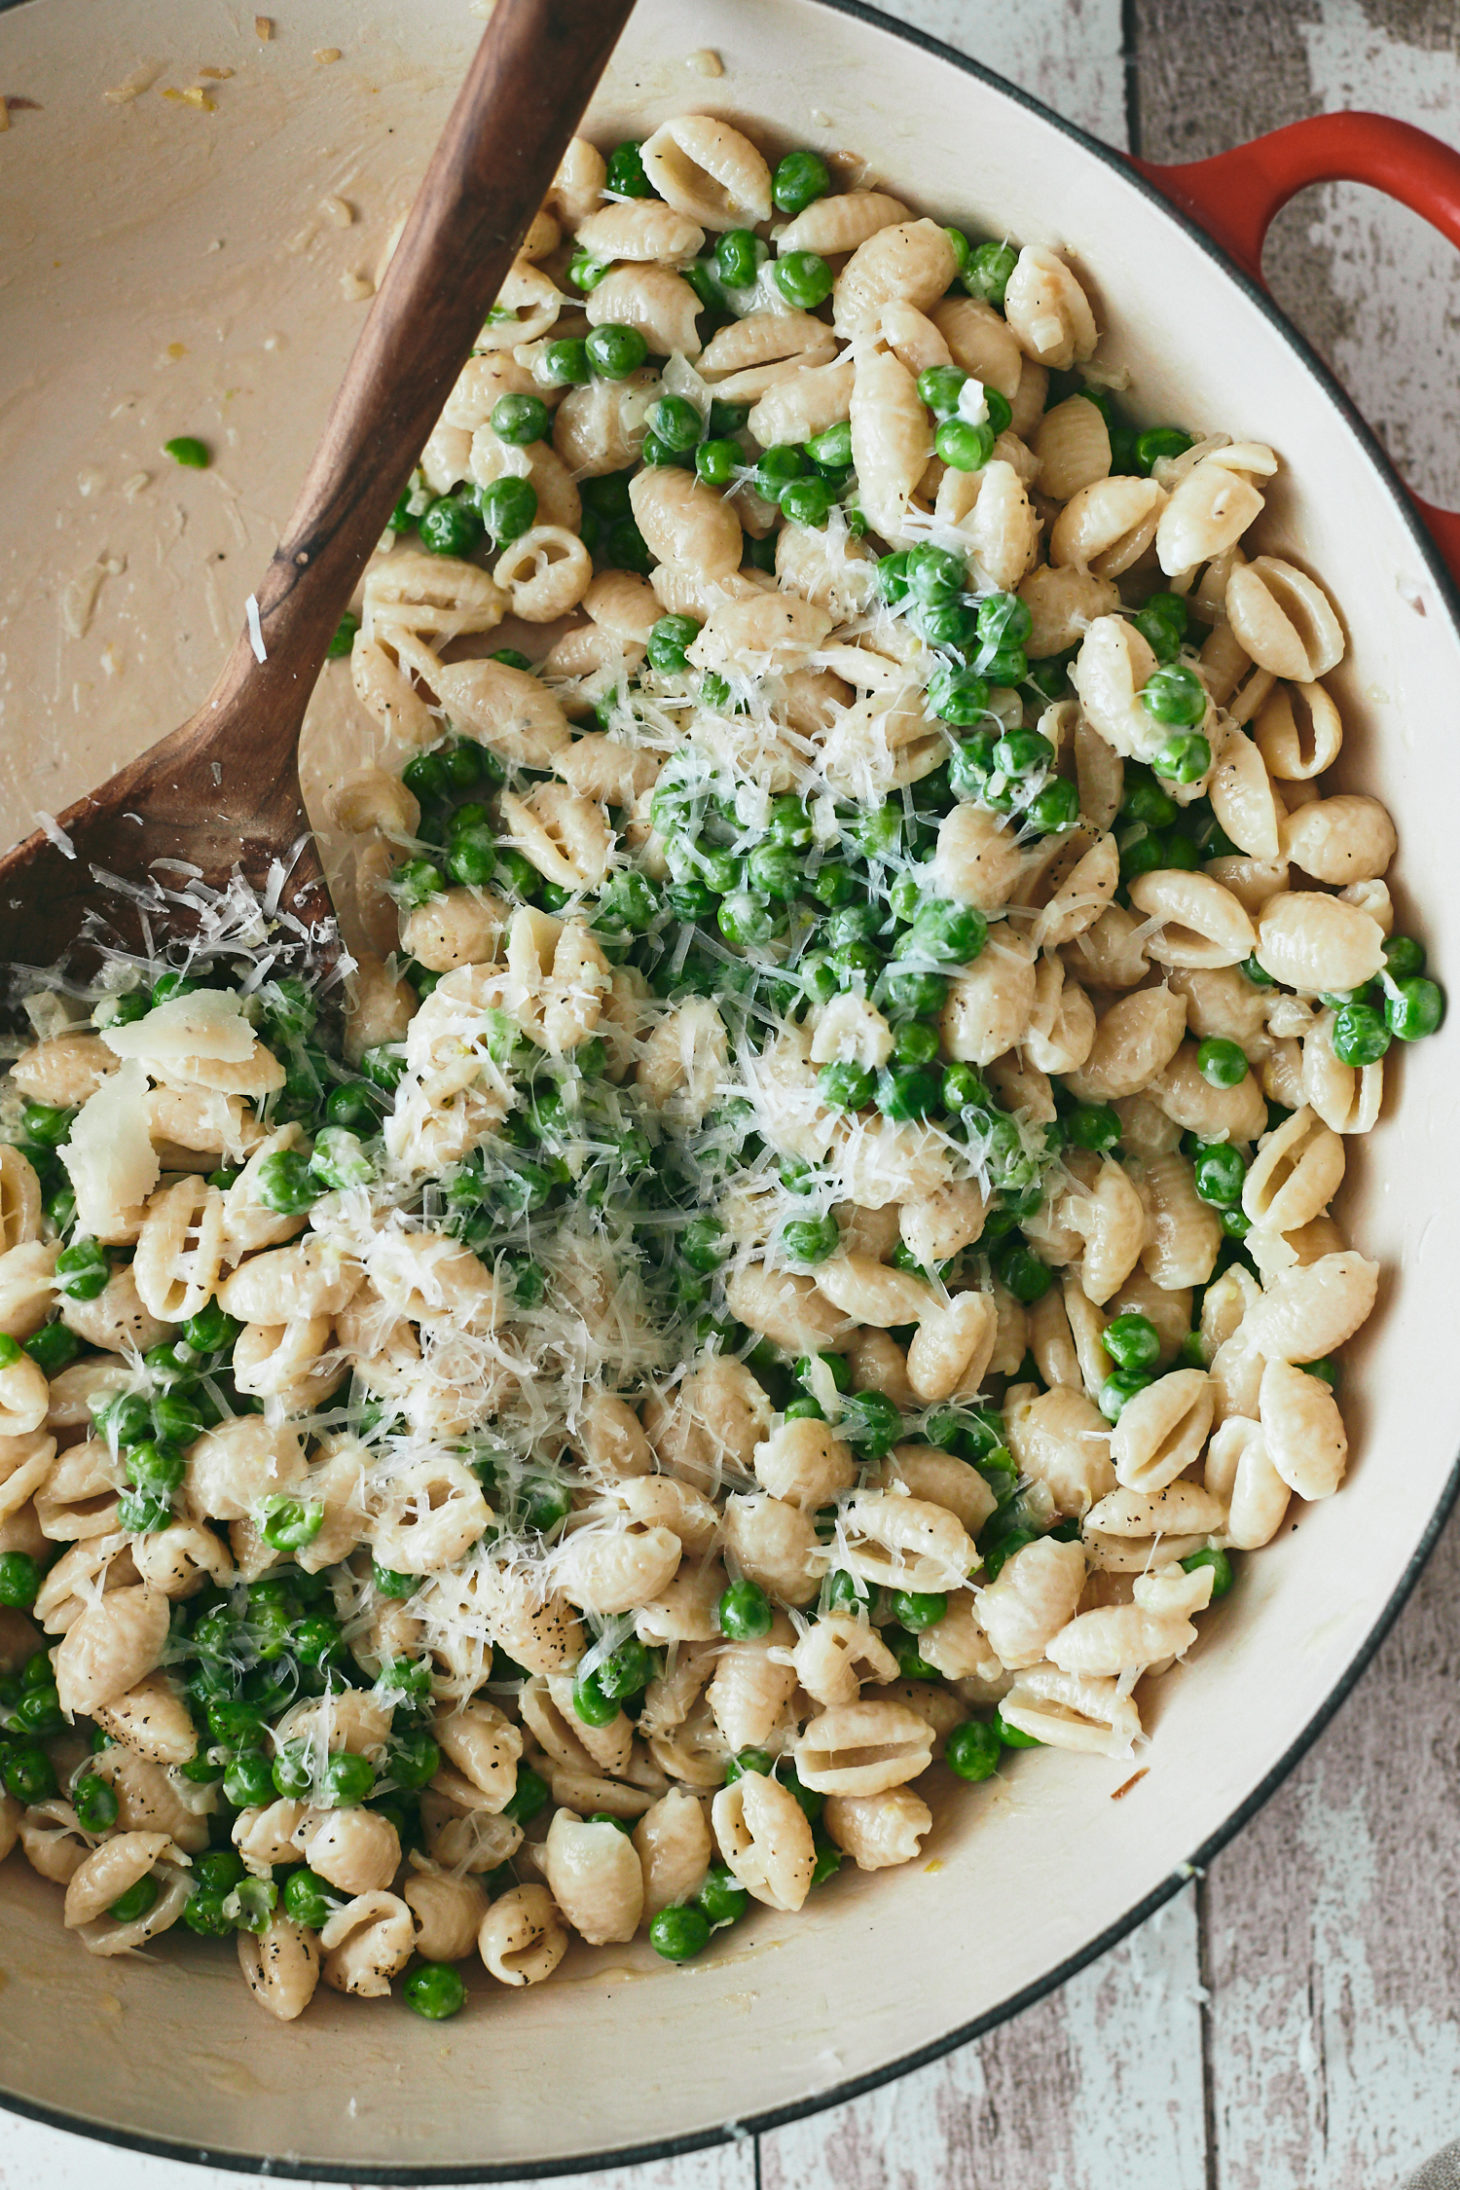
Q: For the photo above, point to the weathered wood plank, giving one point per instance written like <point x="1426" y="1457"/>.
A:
<point x="31" y="2155"/>
<point x="1334" y="1936"/>
<point x="1067" y="52"/>
<point x="1101" y="2083"/>
<point x="1376" y="291"/>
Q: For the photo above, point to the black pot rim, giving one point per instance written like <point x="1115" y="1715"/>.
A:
<point x="856" y="2087"/>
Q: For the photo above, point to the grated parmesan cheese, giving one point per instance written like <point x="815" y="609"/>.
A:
<point x="109" y="1156"/>
<point x="208" y="1023"/>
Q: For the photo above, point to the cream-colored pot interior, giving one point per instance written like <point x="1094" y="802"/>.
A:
<point x="164" y="270"/>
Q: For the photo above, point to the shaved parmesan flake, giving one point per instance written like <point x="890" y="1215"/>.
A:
<point x="52" y="829"/>
<point x="110" y="1157"/>
<point x="209" y="1023"/>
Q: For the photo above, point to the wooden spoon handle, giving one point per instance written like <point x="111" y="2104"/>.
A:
<point x="526" y="90"/>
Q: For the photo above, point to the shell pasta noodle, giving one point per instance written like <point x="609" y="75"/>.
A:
<point x="809" y="1258"/>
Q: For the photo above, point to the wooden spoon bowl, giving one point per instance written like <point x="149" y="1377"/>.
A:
<point x="219" y="796"/>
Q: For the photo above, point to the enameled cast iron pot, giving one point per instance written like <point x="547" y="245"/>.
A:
<point x="170" y="270"/>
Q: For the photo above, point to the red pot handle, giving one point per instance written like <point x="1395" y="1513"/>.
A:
<point x="1235" y="196"/>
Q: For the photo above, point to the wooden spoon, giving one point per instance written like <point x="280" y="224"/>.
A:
<point x="221" y="793"/>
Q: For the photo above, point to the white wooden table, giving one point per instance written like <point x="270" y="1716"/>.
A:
<point x="1289" y="2023"/>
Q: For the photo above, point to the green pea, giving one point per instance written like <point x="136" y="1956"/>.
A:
<point x="748" y="919"/>
<point x="909" y="989"/>
<point x="436" y="1990"/>
<point x="388" y="1583"/>
<point x="987" y="273"/>
<point x="415" y="882"/>
<point x="700" y="274"/>
<point x="774" y="869"/>
<point x="629" y="901"/>
<point x="82" y="1269"/>
<point x="776" y="467"/>
<point x="973" y="1750"/>
<point x="1132" y="1341"/>
<point x="1162" y="623"/>
<point x="680" y="1932"/>
<point x="738" y="257"/>
<point x="963" y="1088"/>
<point x="947" y="931"/>
<point x="810" y="1239"/>
<point x="718" y="462"/>
<point x="1219" y="1175"/>
<point x="669" y="640"/>
<point x="1414" y="1008"/>
<point x="1012" y="1737"/>
<point x="1022" y="753"/>
<point x="95" y="1803"/>
<point x="1404" y="956"/>
<point x="1055" y="808"/>
<point x="675" y="421"/>
<point x="626" y="1670"/>
<point x="451" y="526"/>
<point x="28" y="1773"/>
<point x="714" y="689"/>
<point x="626" y="177"/>
<point x="212" y="1330"/>
<point x="803" y="278"/>
<point x="918" y="1609"/>
<point x="248" y="1780"/>
<point x="531" y="1794"/>
<point x="1175" y="695"/>
<point x="1004" y="620"/>
<point x="20" y="1579"/>
<point x="1324" y="1369"/>
<point x="615" y="351"/>
<point x="934" y="573"/>
<point x="346" y="1780"/>
<point x="799" y="180"/>
<point x="940" y="387"/>
<point x="1144" y="800"/>
<point x="845" y="1085"/>
<point x="807" y="502"/>
<point x="1220" y="1062"/>
<point x="585" y="272"/>
<point x="964" y="446"/>
<point x="291" y="1523"/>
<point x="54" y="1347"/>
<point x="745" y="1613"/>
<point x="831" y="450"/>
<point x="871" y="1421"/>
<point x="908" y="1092"/>
<point x="130" y="1906"/>
<point x="156" y="1466"/>
<point x="591" y="1705"/>
<point x="318" y="1641"/>
<point x="914" y="1043"/>
<point x="722" y="1897"/>
<point x="828" y="1860"/>
<point x="838" y="1364"/>
<point x="508" y="509"/>
<point x="807" y="1409"/>
<point x="217" y="1870"/>
<point x="759" y="1761"/>
<point x="1118" y="1389"/>
<point x="1220" y="1563"/>
<point x="187" y="450"/>
<point x="520" y="420"/>
<point x="1359" y="1035"/>
<point x="46" y="1123"/>
<point x="958" y="696"/>
<point x="1159" y="441"/>
<point x="284" y="1183"/>
<point x="565" y="364"/>
<point x="1021" y="1272"/>
<point x="309" y="1899"/>
<point x="1185" y="758"/>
